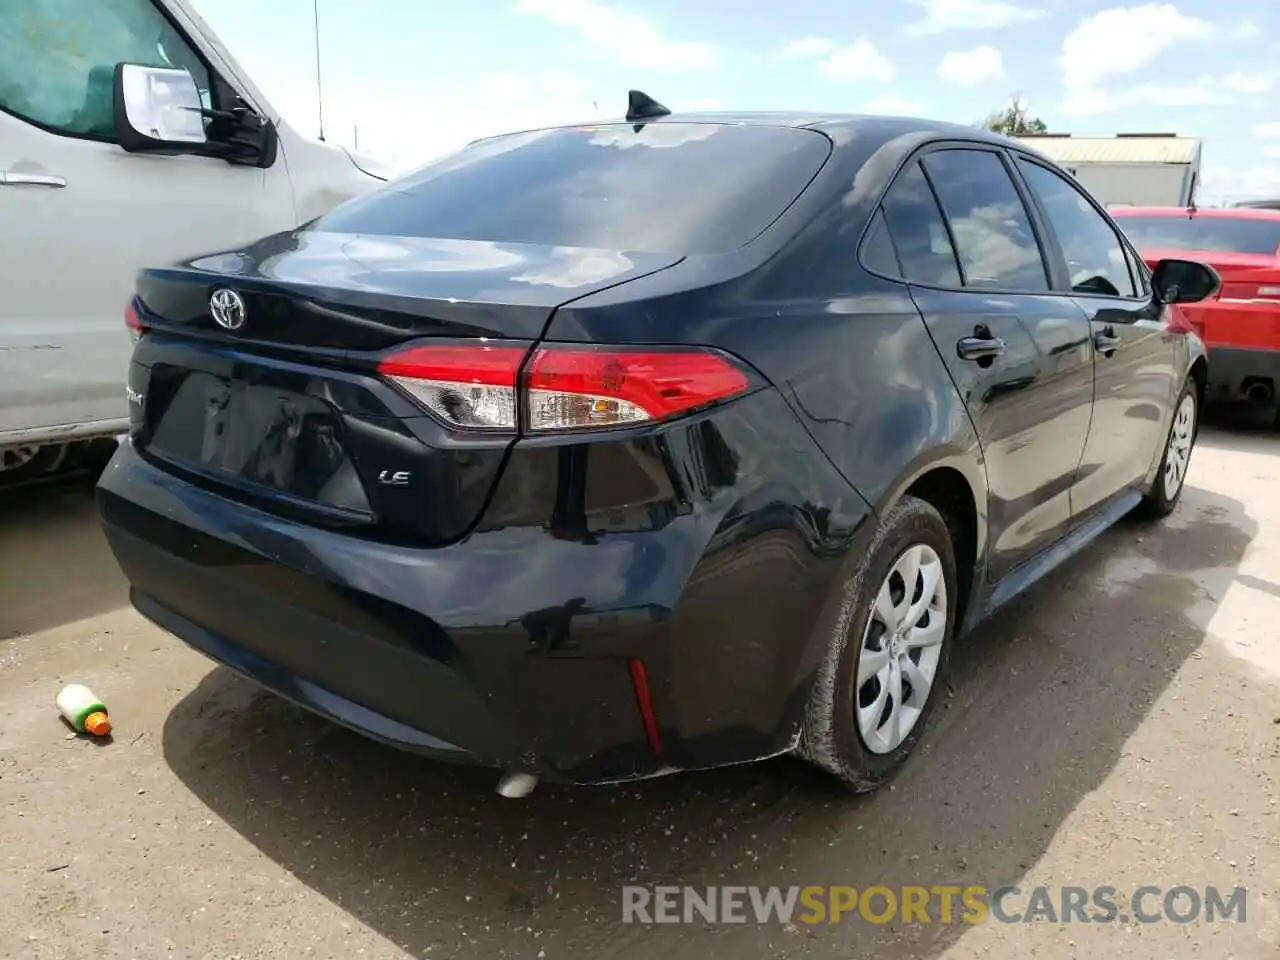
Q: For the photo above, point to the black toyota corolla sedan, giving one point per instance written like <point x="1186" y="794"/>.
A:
<point x="600" y="452"/>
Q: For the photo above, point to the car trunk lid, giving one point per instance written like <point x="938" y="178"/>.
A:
<point x="320" y="290"/>
<point x="290" y="411"/>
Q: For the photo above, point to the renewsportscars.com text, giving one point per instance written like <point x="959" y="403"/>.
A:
<point x="931" y="904"/>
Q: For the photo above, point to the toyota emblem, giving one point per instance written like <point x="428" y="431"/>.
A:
<point x="227" y="308"/>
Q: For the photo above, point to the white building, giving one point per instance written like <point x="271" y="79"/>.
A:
<point x="1129" y="169"/>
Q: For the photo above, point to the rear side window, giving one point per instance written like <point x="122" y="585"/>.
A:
<point x="877" y="250"/>
<point x="680" y="188"/>
<point x="1200" y="233"/>
<point x="993" y="235"/>
<point x="1096" y="260"/>
<point x="918" y="231"/>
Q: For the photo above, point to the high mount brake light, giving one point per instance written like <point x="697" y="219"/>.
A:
<point x="565" y="386"/>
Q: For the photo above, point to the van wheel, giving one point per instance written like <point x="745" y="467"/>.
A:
<point x="889" y="650"/>
<point x="1172" y="476"/>
<point x="21" y="463"/>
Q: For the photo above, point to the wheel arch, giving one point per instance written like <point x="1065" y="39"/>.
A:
<point x="954" y="482"/>
<point x="1200" y="374"/>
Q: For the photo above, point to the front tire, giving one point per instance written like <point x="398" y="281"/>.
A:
<point x="888" y="652"/>
<point x="1171" y="478"/>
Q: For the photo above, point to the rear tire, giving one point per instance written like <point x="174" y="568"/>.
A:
<point x="1171" y="478"/>
<point x="860" y="731"/>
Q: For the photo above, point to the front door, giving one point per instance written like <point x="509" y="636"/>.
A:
<point x="1136" y="379"/>
<point x="1019" y="355"/>
<point x="80" y="216"/>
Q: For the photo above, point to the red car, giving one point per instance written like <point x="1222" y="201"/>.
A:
<point x="1241" y="325"/>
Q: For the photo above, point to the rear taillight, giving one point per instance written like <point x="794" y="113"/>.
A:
<point x="1238" y="290"/>
<point x="473" y="387"/>
<point x="134" y="322"/>
<point x="569" y="388"/>
<point x="563" y="386"/>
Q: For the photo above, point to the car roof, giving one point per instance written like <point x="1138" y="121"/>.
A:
<point x="1221" y="213"/>
<point x="842" y="128"/>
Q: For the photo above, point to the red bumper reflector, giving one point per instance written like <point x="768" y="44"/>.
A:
<point x="644" y="700"/>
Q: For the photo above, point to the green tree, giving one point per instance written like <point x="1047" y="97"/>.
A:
<point x="1014" y="120"/>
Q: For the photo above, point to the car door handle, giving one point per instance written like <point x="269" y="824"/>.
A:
<point x="981" y="346"/>
<point x="1106" y="342"/>
<point x="8" y="178"/>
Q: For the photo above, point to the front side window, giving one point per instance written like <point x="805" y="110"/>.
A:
<point x="1139" y="272"/>
<point x="993" y="235"/>
<point x="918" y="231"/>
<point x="58" y="59"/>
<point x="1096" y="259"/>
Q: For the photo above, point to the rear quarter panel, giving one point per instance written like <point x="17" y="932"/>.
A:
<point x="848" y="351"/>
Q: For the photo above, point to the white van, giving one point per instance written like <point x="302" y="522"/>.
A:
<point x="129" y="137"/>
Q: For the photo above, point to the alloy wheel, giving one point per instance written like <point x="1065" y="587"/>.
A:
<point x="1181" y="436"/>
<point x="11" y="458"/>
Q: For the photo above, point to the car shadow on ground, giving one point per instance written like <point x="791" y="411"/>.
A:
<point x="55" y="567"/>
<point x="1241" y="427"/>
<point x="1044" y="699"/>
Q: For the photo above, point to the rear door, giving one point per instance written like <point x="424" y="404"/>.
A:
<point x="1018" y="354"/>
<point x="1137" y="377"/>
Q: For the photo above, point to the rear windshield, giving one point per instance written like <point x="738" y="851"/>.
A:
<point x="1218" y="234"/>
<point x="665" y="188"/>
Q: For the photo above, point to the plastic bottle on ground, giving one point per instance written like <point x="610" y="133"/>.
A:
<point x="85" y="712"/>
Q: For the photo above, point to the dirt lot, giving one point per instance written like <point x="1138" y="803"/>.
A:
<point x="1120" y="726"/>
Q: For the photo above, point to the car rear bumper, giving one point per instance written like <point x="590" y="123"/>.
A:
<point x="1243" y="341"/>
<point x="1233" y="371"/>
<point x="524" y="647"/>
<point x="289" y="610"/>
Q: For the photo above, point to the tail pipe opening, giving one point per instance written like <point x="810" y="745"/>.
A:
<point x="1259" y="391"/>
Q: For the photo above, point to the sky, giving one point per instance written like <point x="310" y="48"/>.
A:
<point x="413" y="79"/>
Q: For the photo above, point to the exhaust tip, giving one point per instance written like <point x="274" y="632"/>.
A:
<point x="514" y="785"/>
<point x="1258" y="392"/>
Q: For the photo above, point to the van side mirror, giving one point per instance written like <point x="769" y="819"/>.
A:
<point x="1184" y="281"/>
<point x="158" y="110"/>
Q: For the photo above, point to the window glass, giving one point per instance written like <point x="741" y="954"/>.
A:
<point x="1096" y="260"/>
<point x="877" y="252"/>
<point x="1139" y="272"/>
<point x="993" y="234"/>
<point x="1203" y="233"/>
<point x="58" y="58"/>
<point x="918" y="231"/>
<point x="664" y="187"/>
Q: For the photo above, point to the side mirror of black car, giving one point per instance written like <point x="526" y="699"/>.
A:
<point x="1184" y="281"/>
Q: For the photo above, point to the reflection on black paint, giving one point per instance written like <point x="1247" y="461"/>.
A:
<point x="1006" y="387"/>
<point x="550" y="628"/>
<point x="569" y="518"/>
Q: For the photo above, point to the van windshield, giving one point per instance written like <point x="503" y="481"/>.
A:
<point x="665" y="187"/>
<point x="1212" y="234"/>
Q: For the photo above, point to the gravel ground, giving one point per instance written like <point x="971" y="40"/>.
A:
<point x="1119" y="726"/>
